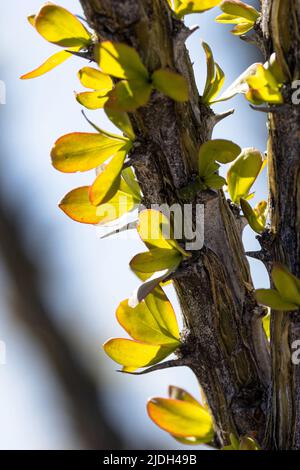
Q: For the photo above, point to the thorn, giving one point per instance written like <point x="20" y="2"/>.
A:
<point x="219" y="117"/>
<point x="163" y="365"/>
<point x="259" y="255"/>
<point x="89" y="121"/>
<point x="268" y="109"/>
<point x="84" y="55"/>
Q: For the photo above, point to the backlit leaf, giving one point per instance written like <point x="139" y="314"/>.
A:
<point x="220" y="150"/>
<point x="156" y="259"/>
<point x="185" y="7"/>
<point x="271" y="298"/>
<point x="134" y="355"/>
<point x="95" y="80"/>
<point x="91" y="99"/>
<point x="263" y="87"/>
<point x="128" y="96"/>
<point x="171" y="84"/>
<point x="239" y="10"/>
<point x="58" y="26"/>
<point x="178" y="393"/>
<point x="52" y="62"/>
<point x="181" y="418"/>
<point x="239" y="85"/>
<point x="121" y="120"/>
<point x="252" y="217"/>
<point x="286" y="284"/>
<point x="76" y="204"/>
<point x="142" y="326"/>
<point x="243" y="173"/>
<point x="80" y="151"/>
<point x="121" y="61"/>
<point x="163" y="312"/>
<point x="108" y="181"/>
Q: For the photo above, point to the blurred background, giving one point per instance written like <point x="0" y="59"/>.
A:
<point x="60" y="284"/>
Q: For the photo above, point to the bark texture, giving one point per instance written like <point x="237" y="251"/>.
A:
<point x="281" y="30"/>
<point x="224" y="341"/>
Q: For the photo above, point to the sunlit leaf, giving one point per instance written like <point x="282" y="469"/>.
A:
<point x="134" y="355"/>
<point x="178" y="393"/>
<point x="286" y="284"/>
<point x="91" y="99"/>
<point x="256" y="222"/>
<point x="240" y="10"/>
<point x="52" y="62"/>
<point x="271" y="298"/>
<point x="181" y="418"/>
<point x="239" y="85"/>
<point x="214" y="77"/>
<point x="156" y="259"/>
<point x="142" y="326"/>
<point x="215" y="181"/>
<point x="130" y="180"/>
<point x="121" y="61"/>
<point x="243" y="173"/>
<point x="267" y="325"/>
<point x="171" y="84"/>
<point x="128" y="96"/>
<point x="220" y="150"/>
<point x="77" y="205"/>
<point x="156" y="231"/>
<point x="108" y="181"/>
<point x="80" y="151"/>
<point x="143" y="290"/>
<point x="58" y="26"/>
<point x="163" y="312"/>
<point x="263" y="87"/>
<point x="185" y="7"/>
<point x="121" y="120"/>
<point x="95" y="80"/>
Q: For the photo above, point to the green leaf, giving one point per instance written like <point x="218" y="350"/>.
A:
<point x="243" y="173"/>
<point x="121" y="61"/>
<point x="178" y="393"/>
<point x="239" y="10"/>
<point x="142" y="326"/>
<point x="134" y="355"/>
<point x="171" y="84"/>
<point x="263" y="87"/>
<point x="52" y="62"/>
<point x="128" y="96"/>
<point x="121" y="120"/>
<point x="77" y="205"/>
<point x="80" y="151"/>
<point x="239" y="85"/>
<point x="91" y="99"/>
<point x="214" y="77"/>
<point x="253" y="218"/>
<point x="58" y="26"/>
<point x="95" y="80"/>
<point x="157" y="259"/>
<point x="186" y="7"/>
<point x="286" y="284"/>
<point x="133" y="185"/>
<point x="163" y="312"/>
<point x="220" y="150"/>
<point x="271" y="298"/>
<point x="214" y="181"/>
<point x="108" y="181"/>
<point x="267" y="325"/>
<point x="181" y="418"/>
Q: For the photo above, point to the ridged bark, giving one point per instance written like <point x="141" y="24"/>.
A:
<point x="223" y="341"/>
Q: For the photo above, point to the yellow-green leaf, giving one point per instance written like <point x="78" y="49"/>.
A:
<point x="271" y="298"/>
<point x="121" y="120"/>
<point x="243" y="173"/>
<point x="131" y="182"/>
<point x="91" y="99"/>
<point x="108" y="181"/>
<point x="220" y="150"/>
<point x="58" y="26"/>
<point x="121" y="61"/>
<point x="133" y="354"/>
<point x="80" y="151"/>
<point x="52" y="62"/>
<point x="266" y="321"/>
<point x="156" y="231"/>
<point x="286" y="283"/>
<point x="95" y="80"/>
<point x="178" y="393"/>
<point x="214" y="181"/>
<point x="186" y="7"/>
<point x="156" y="259"/>
<point x="263" y="87"/>
<point x="142" y="326"/>
<point x="129" y="95"/>
<point x="77" y="205"/>
<point x="171" y="84"/>
<point x="252" y="217"/>
<point x="239" y="10"/>
<point x="181" y="418"/>
<point x="163" y="312"/>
